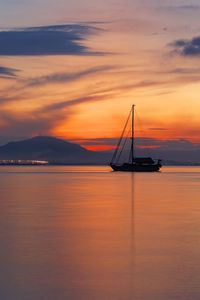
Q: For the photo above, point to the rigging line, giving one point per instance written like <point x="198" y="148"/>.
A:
<point x="130" y="158"/>
<point x="123" y="146"/>
<point x="117" y="148"/>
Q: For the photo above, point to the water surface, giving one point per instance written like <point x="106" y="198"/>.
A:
<point x="85" y="233"/>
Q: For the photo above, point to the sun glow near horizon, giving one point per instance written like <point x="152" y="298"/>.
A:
<point x="83" y="84"/>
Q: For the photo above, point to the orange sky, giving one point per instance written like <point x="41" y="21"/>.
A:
<point x="131" y="58"/>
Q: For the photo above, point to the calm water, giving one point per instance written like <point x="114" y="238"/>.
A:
<point x="85" y="233"/>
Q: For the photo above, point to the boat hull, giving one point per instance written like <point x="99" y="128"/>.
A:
<point x="136" y="168"/>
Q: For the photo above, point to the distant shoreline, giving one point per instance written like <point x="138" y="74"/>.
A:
<point x="88" y="164"/>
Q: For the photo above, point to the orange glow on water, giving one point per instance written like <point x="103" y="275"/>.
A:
<point x="106" y="233"/>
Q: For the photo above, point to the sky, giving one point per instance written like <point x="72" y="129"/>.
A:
<point x="72" y="69"/>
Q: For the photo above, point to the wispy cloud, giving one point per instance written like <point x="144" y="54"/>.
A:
<point x="47" y="40"/>
<point x="189" y="7"/>
<point x="70" y="103"/>
<point x="18" y="91"/>
<point x="65" y="76"/>
<point x="98" y="95"/>
<point x="177" y="8"/>
<point x="8" y="73"/>
<point x="186" y="71"/>
<point x="158" y="129"/>
<point x="44" y="119"/>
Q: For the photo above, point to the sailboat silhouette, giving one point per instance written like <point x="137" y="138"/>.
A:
<point x="134" y="164"/>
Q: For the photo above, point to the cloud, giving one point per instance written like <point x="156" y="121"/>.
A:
<point x="20" y="90"/>
<point x="186" y="71"/>
<point x="7" y="72"/>
<point x="59" y="106"/>
<point x="99" y="95"/>
<point x="189" y="7"/>
<point x="180" y="9"/>
<point x="190" y="48"/>
<point x="65" y="77"/>
<point x="47" y="40"/>
<point x="26" y="124"/>
<point x="43" y="120"/>
<point x="158" y="129"/>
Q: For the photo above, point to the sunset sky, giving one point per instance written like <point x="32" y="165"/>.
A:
<point x="72" y="69"/>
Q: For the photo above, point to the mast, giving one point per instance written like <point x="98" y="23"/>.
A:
<point x="133" y="133"/>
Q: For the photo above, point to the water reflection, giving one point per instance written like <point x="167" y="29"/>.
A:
<point x="132" y="237"/>
<point x="95" y="234"/>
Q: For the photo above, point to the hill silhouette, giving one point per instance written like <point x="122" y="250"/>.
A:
<point x="58" y="151"/>
<point x="52" y="149"/>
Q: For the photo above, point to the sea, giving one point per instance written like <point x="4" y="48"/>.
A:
<point x="87" y="233"/>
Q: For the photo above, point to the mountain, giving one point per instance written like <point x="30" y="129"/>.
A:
<point x="51" y="149"/>
<point x="62" y="152"/>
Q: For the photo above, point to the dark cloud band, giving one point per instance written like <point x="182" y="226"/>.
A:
<point x="47" y="40"/>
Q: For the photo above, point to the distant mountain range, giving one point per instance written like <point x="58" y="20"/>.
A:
<point x="51" y="149"/>
<point x="58" y="151"/>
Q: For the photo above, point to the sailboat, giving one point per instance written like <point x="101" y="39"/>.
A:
<point x="134" y="164"/>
